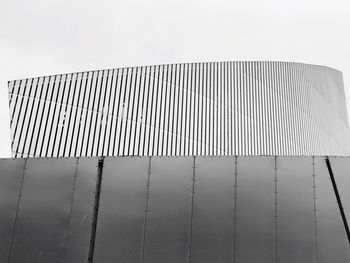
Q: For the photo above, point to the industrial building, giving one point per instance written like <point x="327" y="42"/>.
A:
<point x="198" y="162"/>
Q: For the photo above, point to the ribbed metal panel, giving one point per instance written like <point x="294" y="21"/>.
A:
<point x="216" y="108"/>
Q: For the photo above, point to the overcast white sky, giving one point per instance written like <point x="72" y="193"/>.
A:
<point x="50" y="37"/>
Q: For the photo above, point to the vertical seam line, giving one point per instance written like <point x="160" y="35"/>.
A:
<point x="17" y="210"/>
<point x="146" y="210"/>
<point x="235" y="210"/>
<point x="70" y="209"/>
<point x="276" y="206"/>
<point x="192" y="208"/>
<point x="315" y="205"/>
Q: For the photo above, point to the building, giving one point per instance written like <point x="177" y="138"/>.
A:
<point x="220" y="108"/>
<point x="204" y="162"/>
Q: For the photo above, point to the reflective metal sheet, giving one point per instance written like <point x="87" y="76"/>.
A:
<point x="341" y="171"/>
<point x="82" y="200"/>
<point x="44" y="209"/>
<point x="254" y="221"/>
<point x="54" y="217"/>
<point x="295" y="214"/>
<point x="169" y="211"/>
<point x="332" y="244"/>
<point x="212" y="228"/>
<point x="11" y="173"/>
<point x="121" y="215"/>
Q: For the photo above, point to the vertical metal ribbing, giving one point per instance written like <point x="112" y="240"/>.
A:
<point x="24" y="118"/>
<point x="70" y="210"/>
<point x="173" y="109"/>
<point x="43" y="115"/>
<point x="210" y="109"/>
<point x="101" y="120"/>
<point x="143" y="89"/>
<point x="125" y="109"/>
<point x="235" y="210"/>
<point x="13" y="94"/>
<point x="139" y="112"/>
<point x="180" y="83"/>
<point x="314" y="198"/>
<point x="148" y="97"/>
<point x="19" y="117"/>
<point x="216" y="109"/>
<point x="114" y="119"/>
<point x="65" y="109"/>
<point x="70" y="112"/>
<point x="146" y="210"/>
<point x="119" y="111"/>
<point x="266" y="132"/>
<point x="192" y="209"/>
<point x="206" y="109"/>
<point x="28" y="131"/>
<point x="239" y="107"/>
<point x="84" y="139"/>
<point x="106" y="135"/>
<point x="276" y="206"/>
<point x="128" y="117"/>
<point x="17" y="210"/>
<point x="96" y="208"/>
<point x="192" y="109"/>
<point x="81" y="113"/>
<point x="153" y="112"/>
<point x="167" y="118"/>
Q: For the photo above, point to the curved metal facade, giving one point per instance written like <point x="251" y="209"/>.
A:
<point x="217" y="108"/>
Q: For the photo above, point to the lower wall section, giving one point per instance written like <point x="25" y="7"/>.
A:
<point x="174" y="209"/>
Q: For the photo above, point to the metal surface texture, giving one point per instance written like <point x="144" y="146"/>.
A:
<point x="214" y="108"/>
<point x="167" y="233"/>
<point x="173" y="209"/>
<point x="78" y="237"/>
<point x="339" y="200"/>
<point x="52" y="221"/>
<point x="295" y="214"/>
<point x="212" y="230"/>
<point x="11" y="182"/>
<point x="331" y="236"/>
<point x="120" y="228"/>
<point x="341" y="170"/>
<point x="43" y="212"/>
<point x="255" y="221"/>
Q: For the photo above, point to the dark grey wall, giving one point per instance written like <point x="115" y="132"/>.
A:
<point x="174" y="209"/>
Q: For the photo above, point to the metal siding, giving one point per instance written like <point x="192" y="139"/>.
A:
<point x="167" y="237"/>
<point x="341" y="169"/>
<point x="157" y="209"/>
<point x="216" y="108"/>
<point x="212" y="229"/>
<point x="77" y="237"/>
<point x="295" y="209"/>
<point x="11" y="186"/>
<point x="120" y="230"/>
<point x="254" y="228"/>
<point x="332" y="243"/>
<point x="43" y="213"/>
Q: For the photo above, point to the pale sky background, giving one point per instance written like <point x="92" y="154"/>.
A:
<point x="49" y="37"/>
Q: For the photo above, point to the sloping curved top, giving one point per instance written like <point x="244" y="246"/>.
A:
<point x="211" y="108"/>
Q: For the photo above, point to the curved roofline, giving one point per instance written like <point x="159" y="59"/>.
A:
<point x="178" y="63"/>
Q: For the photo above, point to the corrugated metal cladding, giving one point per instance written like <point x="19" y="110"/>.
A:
<point x="216" y="108"/>
<point x="173" y="209"/>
